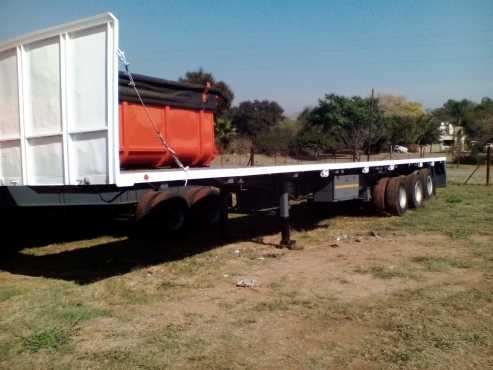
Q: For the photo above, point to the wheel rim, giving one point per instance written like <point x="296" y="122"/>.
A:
<point x="429" y="185"/>
<point x="418" y="193"/>
<point x="402" y="198"/>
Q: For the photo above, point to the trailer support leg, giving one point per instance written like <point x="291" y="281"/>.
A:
<point x="286" y="240"/>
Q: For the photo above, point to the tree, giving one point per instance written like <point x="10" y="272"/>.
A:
<point x="278" y="139"/>
<point x="428" y="130"/>
<point x="399" y="106"/>
<point x="406" y="123"/>
<point x="224" y="132"/>
<point x="456" y="111"/>
<point x="304" y="116"/>
<point x="478" y="123"/>
<point x="253" y="117"/>
<point x="200" y="77"/>
<point x="310" y="141"/>
<point x="346" y="120"/>
<point x="400" y="130"/>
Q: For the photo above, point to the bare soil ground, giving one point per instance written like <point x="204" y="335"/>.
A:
<point x="367" y="292"/>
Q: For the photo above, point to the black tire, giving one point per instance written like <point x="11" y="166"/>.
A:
<point x="378" y="193"/>
<point x="396" y="196"/>
<point x="207" y="212"/>
<point x="174" y="216"/>
<point x="428" y="183"/>
<point x="415" y="191"/>
<point x="168" y="220"/>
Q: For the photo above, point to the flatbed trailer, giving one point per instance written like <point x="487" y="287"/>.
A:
<point x="59" y="144"/>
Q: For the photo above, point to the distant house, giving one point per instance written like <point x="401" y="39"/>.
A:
<point x="451" y="137"/>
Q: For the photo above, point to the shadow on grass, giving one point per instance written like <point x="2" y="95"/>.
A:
<point x="87" y="264"/>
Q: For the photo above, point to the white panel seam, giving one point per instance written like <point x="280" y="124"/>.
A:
<point x="63" y="106"/>
<point x="20" y="92"/>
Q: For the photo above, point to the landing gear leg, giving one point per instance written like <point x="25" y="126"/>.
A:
<point x="286" y="241"/>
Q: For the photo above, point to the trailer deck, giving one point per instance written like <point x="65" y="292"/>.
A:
<point x="131" y="178"/>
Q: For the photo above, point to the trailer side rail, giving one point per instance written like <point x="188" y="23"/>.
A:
<point x="128" y="178"/>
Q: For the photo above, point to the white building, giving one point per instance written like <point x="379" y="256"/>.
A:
<point x="451" y="136"/>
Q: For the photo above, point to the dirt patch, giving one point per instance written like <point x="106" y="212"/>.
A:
<point x="295" y="290"/>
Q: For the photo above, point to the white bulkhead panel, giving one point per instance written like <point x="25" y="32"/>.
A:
<point x="10" y="159"/>
<point x="42" y="104"/>
<point x="88" y="161"/>
<point x="59" y="105"/>
<point x="42" y="112"/>
<point x="87" y="97"/>
<point x="10" y="144"/>
<point x="9" y="101"/>
<point x="87" y="79"/>
<point x="45" y="160"/>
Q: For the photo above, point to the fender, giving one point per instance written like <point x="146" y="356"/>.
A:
<point x="189" y="195"/>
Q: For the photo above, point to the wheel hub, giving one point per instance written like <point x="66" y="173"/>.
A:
<point x="418" y="193"/>
<point x="402" y="198"/>
<point x="429" y="185"/>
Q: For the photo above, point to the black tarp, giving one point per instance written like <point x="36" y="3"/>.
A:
<point x="156" y="91"/>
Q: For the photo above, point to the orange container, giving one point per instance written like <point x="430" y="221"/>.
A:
<point x="190" y="133"/>
<point x="182" y="113"/>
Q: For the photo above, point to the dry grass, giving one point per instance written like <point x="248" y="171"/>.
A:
<point x="459" y="174"/>
<point x="241" y="160"/>
<point x="418" y="295"/>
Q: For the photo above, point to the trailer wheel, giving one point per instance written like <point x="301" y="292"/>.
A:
<point x="174" y="215"/>
<point x="396" y="196"/>
<point x="428" y="183"/>
<point x="168" y="219"/>
<point x="378" y="193"/>
<point x="207" y="212"/>
<point x="414" y="187"/>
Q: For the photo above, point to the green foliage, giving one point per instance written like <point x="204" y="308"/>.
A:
<point x="310" y="141"/>
<point x="304" y="116"/>
<point x="50" y="338"/>
<point x="224" y="132"/>
<point x="344" y="122"/>
<point x="278" y="139"/>
<point x="400" y="130"/>
<point x="428" y="130"/>
<point x="251" y="118"/>
<point x="201" y="77"/>
<point x="456" y="111"/>
<point x="454" y="199"/>
<point x="478" y="124"/>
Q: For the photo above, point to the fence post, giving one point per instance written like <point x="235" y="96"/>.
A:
<point x="251" y="160"/>
<point x="488" y="162"/>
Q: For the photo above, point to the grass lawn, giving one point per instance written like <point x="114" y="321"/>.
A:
<point x="459" y="174"/>
<point x="367" y="292"/>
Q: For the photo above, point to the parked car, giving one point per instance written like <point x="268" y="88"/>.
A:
<point x="400" y="149"/>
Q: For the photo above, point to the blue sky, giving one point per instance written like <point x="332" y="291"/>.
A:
<point x="296" y="51"/>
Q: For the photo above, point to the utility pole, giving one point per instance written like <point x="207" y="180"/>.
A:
<point x="369" y="128"/>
